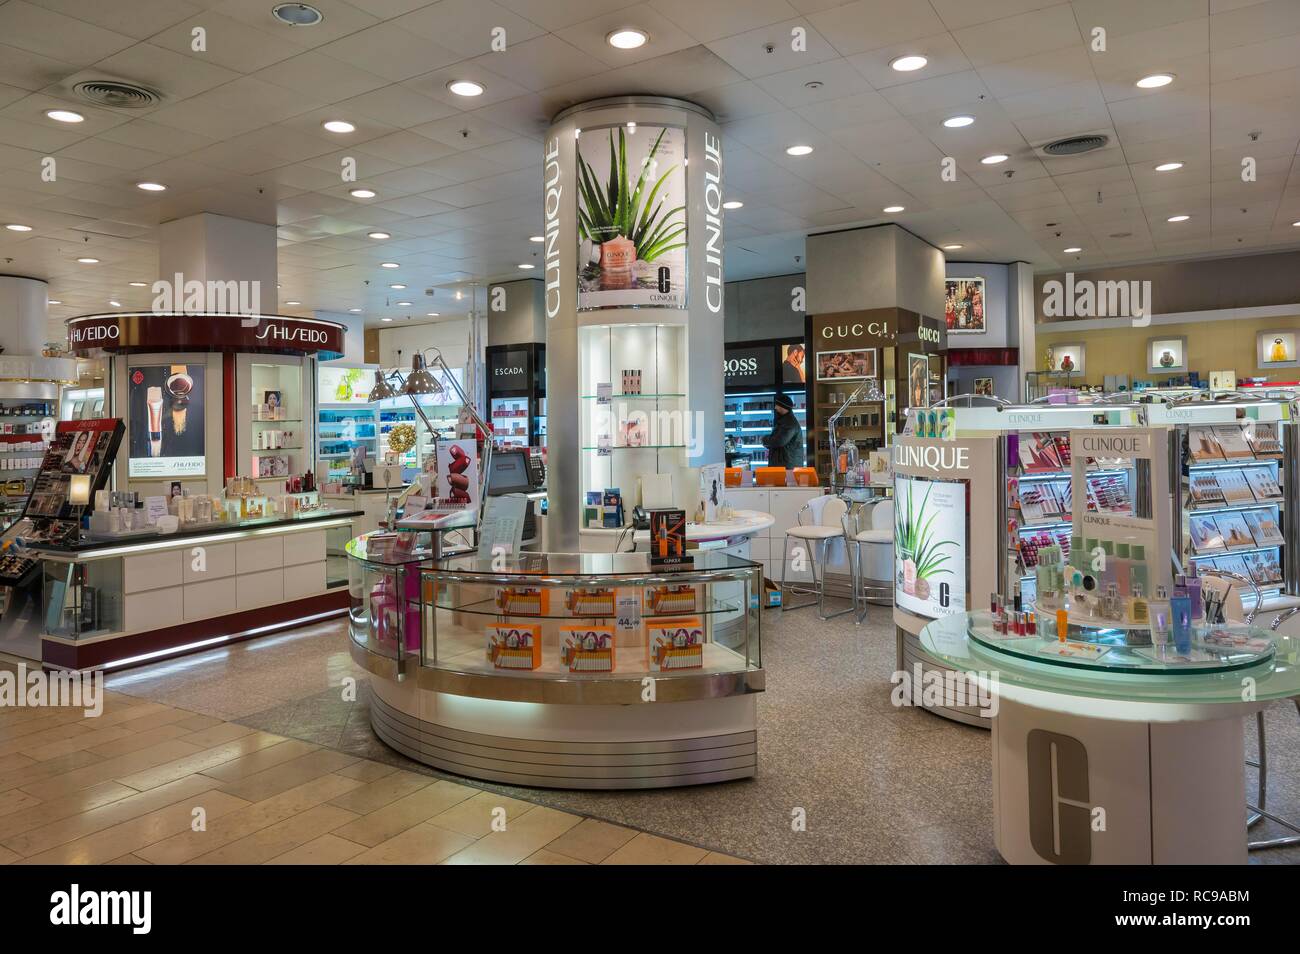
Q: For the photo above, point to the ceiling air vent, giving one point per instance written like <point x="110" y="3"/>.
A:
<point x="1074" y="145"/>
<point x="116" y="95"/>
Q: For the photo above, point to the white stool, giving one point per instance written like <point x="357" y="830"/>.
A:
<point x="872" y="570"/>
<point x="819" y="524"/>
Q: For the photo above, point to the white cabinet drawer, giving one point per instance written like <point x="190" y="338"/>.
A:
<point x="209" y="598"/>
<point x="217" y="561"/>
<point x="306" y="579"/>
<point x="151" y="571"/>
<point x="254" y="555"/>
<point x="154" y="609"/>
<point x="749" y="498"/>
<point x="259" y="589"/>
<point x="305" y="547"/>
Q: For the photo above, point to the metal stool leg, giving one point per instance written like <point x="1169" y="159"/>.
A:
<point x="821" y="587"/>
<point x="788" y="588"/>
<point x="1260" y="811"/>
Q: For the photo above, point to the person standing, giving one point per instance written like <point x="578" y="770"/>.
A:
<point x="785" y="445"/>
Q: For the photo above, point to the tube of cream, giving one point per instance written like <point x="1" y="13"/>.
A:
<point x="154" y="400"/>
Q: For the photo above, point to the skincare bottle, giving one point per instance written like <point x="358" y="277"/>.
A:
<point x="1062" y="625"/>
<point x="1161" y="625"/>
<point x="1180" y="608"/>
<point x="154" y="402"/>
<point x="1138" y="608"/>
<point x="1123" y="566"/>
<point x="1193" y="584"/>
<point x="1138" y="569"/>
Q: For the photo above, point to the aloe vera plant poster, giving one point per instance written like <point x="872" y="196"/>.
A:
<point x="930" y="546"/>
<point x="631" y="217"/>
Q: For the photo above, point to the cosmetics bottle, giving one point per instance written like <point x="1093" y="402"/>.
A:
<point x="1062" y="625"/>
<point x="154" y="402"/>
<point x="1123" y="567"/>
<point x="1033" y="624"/>
<point x="1180" y="609"/>
<point x="1107" y="572"/>
<point x="994" y="600"/>
<point x="1138" y="608"/>
<point x="1193" y="584"/>
<point x="1015" y="598"/>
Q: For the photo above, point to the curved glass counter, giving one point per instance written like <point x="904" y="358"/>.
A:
<point x="558" y="627"/>
<point x="1226" y="662"/>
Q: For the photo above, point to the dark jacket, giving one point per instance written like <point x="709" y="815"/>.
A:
<point x="785" y="444"/>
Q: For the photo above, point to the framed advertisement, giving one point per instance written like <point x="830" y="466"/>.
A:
<point x="631" y="217"/>
<point x="1066" y="359"/>
<point x="930" y="546"/>
<point x="984" y="387"/>
<point x="166" y="437"/>
<point x="918" y="380"/>
<point x="1166" y="355"/>
<point x="337" y="385"/>
<point x="963" y="306"/>
<point x="794" y="365"/>
<point x="1276" y="349"/>
<point x="846" y="365"/>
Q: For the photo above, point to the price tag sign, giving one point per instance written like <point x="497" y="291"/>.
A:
<point x="604" y="446"/>
<point x="604" y="392"/>
<point x="155" y="507"/>
<point x="628" y="612"/>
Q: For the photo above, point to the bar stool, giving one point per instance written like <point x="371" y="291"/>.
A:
<point x="872" y="571"/>
<point x="819" y="522"/>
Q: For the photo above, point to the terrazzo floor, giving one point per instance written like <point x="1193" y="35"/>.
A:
<point x="878" y="784"/>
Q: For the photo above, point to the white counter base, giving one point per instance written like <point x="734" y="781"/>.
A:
<point x="653" y="745"/>
<point x="1171" y="792"/>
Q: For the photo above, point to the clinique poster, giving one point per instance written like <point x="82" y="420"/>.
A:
<point x="631" y="217"/>
<point x="166" y="436"/>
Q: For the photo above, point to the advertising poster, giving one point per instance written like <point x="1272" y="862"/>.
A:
<point x="930" y="546"/>
<point x="167" y="420"/>
<point x="963" y="306"/>
<point x="1277" y="349"/>
<point x="841" y="365"/>
<point x="793" y="368"/>
<point x="918" y="380"/>
<point x="458" y="472"/>
<point x="344" y="385"/>
<point x="631" y="217"/>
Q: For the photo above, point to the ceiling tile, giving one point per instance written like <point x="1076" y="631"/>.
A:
<point x="872" y="24"/>
<point x="1016" y="37"/>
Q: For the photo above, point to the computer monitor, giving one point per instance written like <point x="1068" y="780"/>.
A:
<point x="509" y="473"/>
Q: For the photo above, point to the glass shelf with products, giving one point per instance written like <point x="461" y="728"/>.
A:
<point x="399" y="411"/>
<point x="277" y="440"/>
<point x="339" y="430"/>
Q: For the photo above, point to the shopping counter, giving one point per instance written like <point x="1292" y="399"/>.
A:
<point x="116" y="603"/>
<point x="1107" y="749"/>
<point x="592" y="670"/>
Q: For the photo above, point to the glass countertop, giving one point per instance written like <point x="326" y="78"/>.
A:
<point x="1226" y="663"/>
<point x="594" y="564"/>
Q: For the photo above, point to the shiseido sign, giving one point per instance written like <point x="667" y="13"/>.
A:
<point x="750" y="367"/>
<point x="135" y="333"/>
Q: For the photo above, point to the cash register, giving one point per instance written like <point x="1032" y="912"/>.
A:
<point x="514" y="472"/>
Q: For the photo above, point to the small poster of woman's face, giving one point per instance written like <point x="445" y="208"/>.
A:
<point x="272" y="399"/>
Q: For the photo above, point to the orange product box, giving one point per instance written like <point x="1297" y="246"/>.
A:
<point x="805" y="477"/>
<point x="676" y="644"/>
<point x="514" y="647"/>
<point x="587" y="648"/>
<point x="769" y="476"/>
<point x="731" y="477"/>
<point x="523" y="600"/>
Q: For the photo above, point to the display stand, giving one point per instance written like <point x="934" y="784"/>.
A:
<point x="754" y="373"/>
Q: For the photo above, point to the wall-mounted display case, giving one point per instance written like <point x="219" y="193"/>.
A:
<point x="517" y="394"/>
<point x="634" y="421"/>
<point x="754" y="373"/>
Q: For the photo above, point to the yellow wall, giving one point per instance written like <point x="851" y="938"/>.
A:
<point x="1211" y="346"/>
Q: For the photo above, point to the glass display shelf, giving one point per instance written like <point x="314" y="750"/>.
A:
<point x="967" y="642"/>
<point x="633" y="397"/>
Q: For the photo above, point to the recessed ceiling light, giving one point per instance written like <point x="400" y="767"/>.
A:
<point x="64" y="116"/>
<point x="733" y="204"/>
<point x="957" y="122"/>
<point x="53" y="301"/>
<point x="891" y="209"/>
<point x="88" y="261"/>
<point x="1072" y="249"/>
<point x="339" y="126"/>
<point x="293" y="303"/>
<point x="1178" y="218"/>
<point x="465" y="88"/>
<point x="1168" y="166"/>
<point x="403" y="304"/>
<point x="355" y="311"/>
<point x="138" y="284"/>
<point x="431" y="314"/>
<point x="1155" y="80"/>
<point x="1295" y="225"/>
<point x="385" y="318"/>
<point x="115" y="304"/>
<point x="15" y="227"/>
<point x="362" y="193"/>
<point x="908" y="63"/>
<point x="798" y="150"/>
<point x="459" y="294"/>
<point x="398" y="285"/>
<point x="951" y="248"/>
<point x="628" y="38"/>
<point x="389" y="265"/>
<point x="297" y="14"/>
<point x="537" y="238"/>
<point x="526" y="265"/>
<point x="994" y="159"/>
<point x="151" y="186"/>
<point x="378" y="235"/>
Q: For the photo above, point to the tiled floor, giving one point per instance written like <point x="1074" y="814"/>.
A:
<point x="876" y="783"/>
<point x="133" y="785"/>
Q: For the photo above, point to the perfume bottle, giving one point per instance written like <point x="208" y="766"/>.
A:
<point x="1138" y="608"/>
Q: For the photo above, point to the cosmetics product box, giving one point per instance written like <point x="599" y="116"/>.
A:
<point x="676" y="644"/>
<point x="523" y="600"/>
<point x="514" y="646"/>
<point x="590" y="601"/>
<point x="587" y="648"/>
<point x="671" y="599"/>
